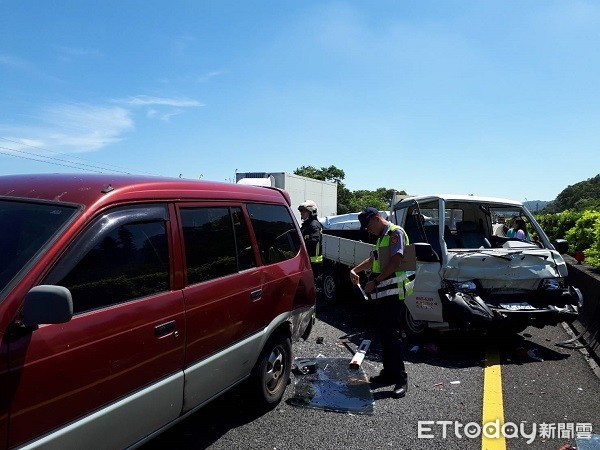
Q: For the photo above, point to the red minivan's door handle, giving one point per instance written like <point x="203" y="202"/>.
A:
<point x="256" y="295"/>
<point x="164" y="329"/>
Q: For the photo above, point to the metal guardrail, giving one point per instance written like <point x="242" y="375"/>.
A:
<point x="587" y="279"/>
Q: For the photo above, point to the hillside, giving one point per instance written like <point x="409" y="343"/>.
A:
<point x="579" y="196"/>
<point x="535" y="205"/>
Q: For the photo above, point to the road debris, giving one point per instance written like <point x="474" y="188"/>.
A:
<point x="533" y="355"/>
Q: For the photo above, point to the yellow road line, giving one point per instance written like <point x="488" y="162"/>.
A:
<point x="493" y="407"/>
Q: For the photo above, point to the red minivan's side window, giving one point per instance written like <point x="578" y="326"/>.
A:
<point x="127" y="261"/>
<point x="217" y="242"/>
<point x="275" y="231"/>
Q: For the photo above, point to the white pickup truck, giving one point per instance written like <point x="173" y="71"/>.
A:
<point x="467" y="276"/>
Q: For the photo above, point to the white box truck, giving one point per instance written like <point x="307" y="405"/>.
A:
<point x="323" y="193"/>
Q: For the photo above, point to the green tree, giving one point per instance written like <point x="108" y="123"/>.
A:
<point x="557" y="225"/>
<point x="334" y="175"/>
<point x="585" y="236"/>
<point x="348" y="201"/>
<point x="330" y="173"/>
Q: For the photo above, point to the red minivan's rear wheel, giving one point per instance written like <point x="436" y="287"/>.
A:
<point x="272" y="371"/>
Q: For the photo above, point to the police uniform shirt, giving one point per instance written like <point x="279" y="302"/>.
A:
<point x="396" y="240"/>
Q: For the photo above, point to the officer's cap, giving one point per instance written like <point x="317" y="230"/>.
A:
<point x="366" y="215"/>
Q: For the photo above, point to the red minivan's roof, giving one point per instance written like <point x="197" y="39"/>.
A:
<point x="89" y="189"/>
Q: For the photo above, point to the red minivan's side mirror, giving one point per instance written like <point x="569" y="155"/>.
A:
<point x="47" y="304"/>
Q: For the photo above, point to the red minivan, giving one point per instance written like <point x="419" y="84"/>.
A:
<point x="126" y="303"/>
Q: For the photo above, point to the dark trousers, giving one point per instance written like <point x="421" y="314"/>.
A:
<point x="388" y="311"/>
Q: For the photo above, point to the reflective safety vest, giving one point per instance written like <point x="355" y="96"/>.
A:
<point x="400" y="283"/>
<point x="318" y="258"/>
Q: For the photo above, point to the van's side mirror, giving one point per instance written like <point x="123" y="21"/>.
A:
<point x="561" y="246"/>
<point x="425" y="253"/>
<point x="47" y="304"/>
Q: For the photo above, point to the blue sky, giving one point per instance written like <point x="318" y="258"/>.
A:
<point x="488" y="97"/>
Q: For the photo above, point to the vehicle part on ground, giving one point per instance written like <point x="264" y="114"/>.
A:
<point x="332" y="386"/>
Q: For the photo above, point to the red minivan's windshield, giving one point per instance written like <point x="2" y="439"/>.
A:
<point x="25" y="228"/>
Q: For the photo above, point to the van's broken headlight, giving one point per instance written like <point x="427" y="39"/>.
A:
<point x="552" y="284"/>
<point x="460" y="286"/>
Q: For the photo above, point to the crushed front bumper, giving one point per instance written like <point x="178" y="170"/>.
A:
<point x="470" y="310"/>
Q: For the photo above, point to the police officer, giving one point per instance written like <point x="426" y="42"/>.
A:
<point x="388" y="287"/>
<point x="311" y="230"/>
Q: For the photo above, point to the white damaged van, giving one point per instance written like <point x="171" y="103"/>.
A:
<point x="472" y="274"/>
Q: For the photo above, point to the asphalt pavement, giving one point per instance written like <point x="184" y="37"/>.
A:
<point x="545" y="388"/>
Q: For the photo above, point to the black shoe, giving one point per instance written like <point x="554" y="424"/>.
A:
<point x="381" y="379"/>
<point x="400" y="390"/>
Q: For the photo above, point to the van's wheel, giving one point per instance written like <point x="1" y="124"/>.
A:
<point x="272" y="371"/>
<point x="329" y="286"/>
<point x="412" y="327"/>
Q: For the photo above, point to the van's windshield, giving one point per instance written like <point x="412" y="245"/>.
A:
<point x="26" y="226"/>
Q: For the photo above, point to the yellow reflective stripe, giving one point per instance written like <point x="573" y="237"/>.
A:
<point x="389" y="281"/>
<point x="318" y="258"/>
<point x="398" y="279"/>
<point x="386" y="293"/>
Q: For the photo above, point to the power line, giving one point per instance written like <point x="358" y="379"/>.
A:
<point x="38" y="160"/>
<point x="75" y="166"/>
<point x="104" y="166"/>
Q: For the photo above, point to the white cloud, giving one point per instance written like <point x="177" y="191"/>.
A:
<point x="14" y="63"/>
<point x="69" y="53"/>
<point x="156" y="105"/>
<point x="147" y="100"/>
<point x="166" y="116"/>
<point x="73" y="128"/>
<point x="207" y="76"/>
<point x="181" y="44"/>
<point x="79" y="128"/>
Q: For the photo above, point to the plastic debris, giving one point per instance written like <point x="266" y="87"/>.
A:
<point x="359" y="356"/>
<point x="455" y="382"/>
<point x="415" y="349"/>
<point x="338" y="389"/>
<point x="533" y="355"/>
<point x="441" y="383"/>
<point x="303" y="366"/>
